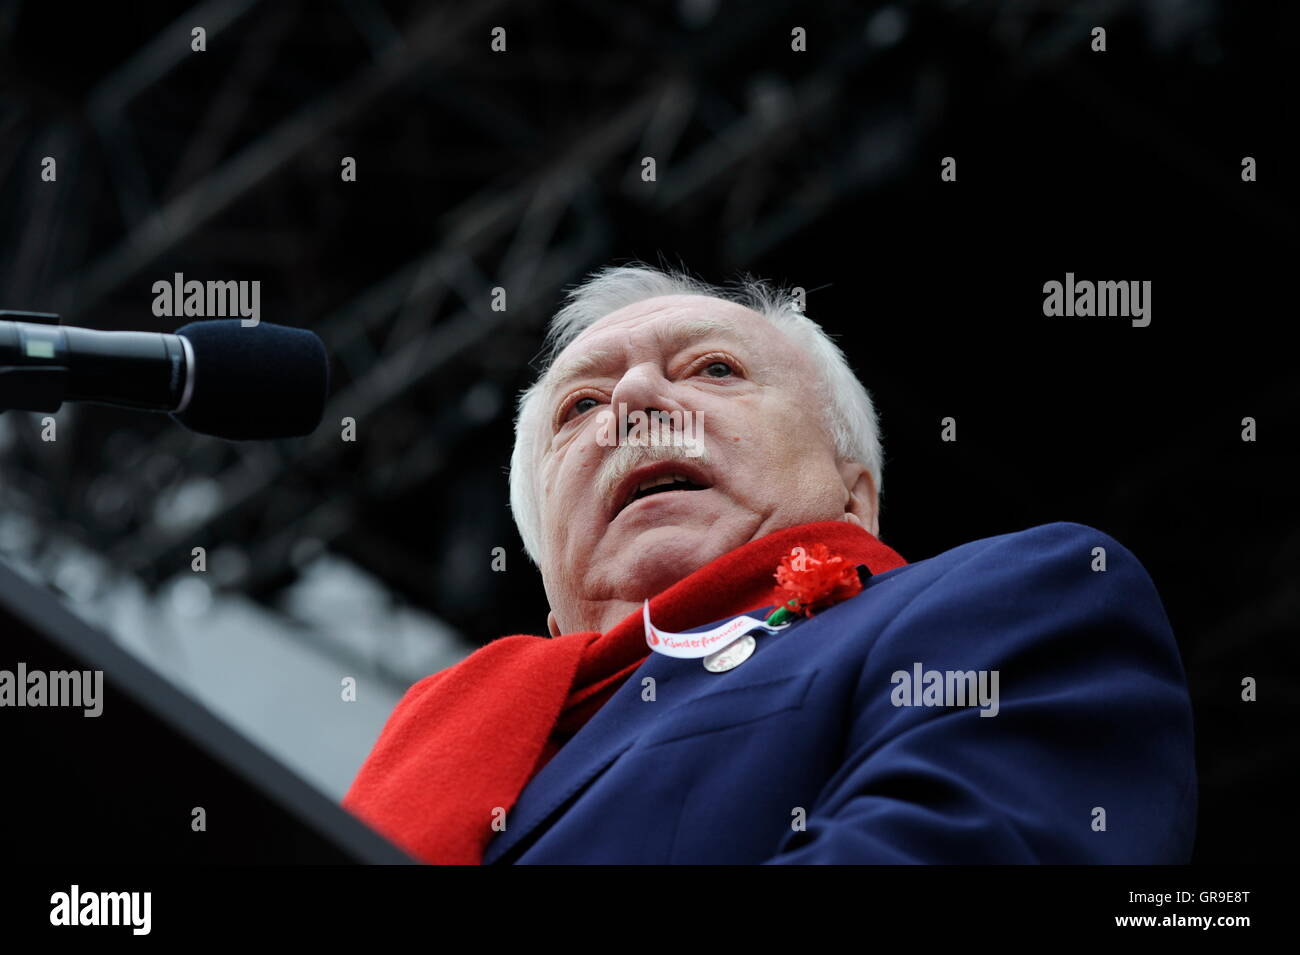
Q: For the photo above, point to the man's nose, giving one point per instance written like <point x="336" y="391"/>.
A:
<point x="643" y="388"/>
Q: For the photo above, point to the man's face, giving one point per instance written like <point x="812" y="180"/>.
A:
<point x="769" y="463"/>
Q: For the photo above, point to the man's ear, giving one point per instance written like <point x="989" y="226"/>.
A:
<point x="862" y="506"/>
<point x="552" y="624"/>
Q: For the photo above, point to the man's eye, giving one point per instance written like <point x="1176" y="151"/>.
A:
<point x="717" y="369"/>
<point x="583" y="405"/>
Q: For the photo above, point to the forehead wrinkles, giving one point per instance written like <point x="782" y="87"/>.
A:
<point x="670" y="334"/>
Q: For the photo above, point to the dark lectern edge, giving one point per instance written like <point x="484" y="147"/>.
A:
<point x="44" y="612"/>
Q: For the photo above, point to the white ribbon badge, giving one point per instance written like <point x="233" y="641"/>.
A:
<point x="691" y="646"/>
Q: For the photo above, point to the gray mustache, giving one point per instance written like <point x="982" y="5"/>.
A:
<point x="623" y="459"/>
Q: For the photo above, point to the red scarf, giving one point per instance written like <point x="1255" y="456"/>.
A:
<point x="466" y="740"/>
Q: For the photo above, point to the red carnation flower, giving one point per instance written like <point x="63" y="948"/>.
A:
<point x="811" y="579"/>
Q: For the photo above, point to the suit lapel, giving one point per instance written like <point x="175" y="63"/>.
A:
<point x="592" y="750"/>
<point x="612" y="731"/>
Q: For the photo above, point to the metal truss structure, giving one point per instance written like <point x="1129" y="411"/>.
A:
<point x="476" y="170"/>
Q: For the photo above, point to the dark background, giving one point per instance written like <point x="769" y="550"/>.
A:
<point x="818" y="169"/>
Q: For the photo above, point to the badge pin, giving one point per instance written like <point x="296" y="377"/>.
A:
<point x="731" y="656"/>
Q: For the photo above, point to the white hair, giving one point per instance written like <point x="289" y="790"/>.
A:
<point x="850" y="415"/>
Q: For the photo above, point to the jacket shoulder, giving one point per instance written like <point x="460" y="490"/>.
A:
<point x="1042" y="540"/>
<point x="1034" y="556"/>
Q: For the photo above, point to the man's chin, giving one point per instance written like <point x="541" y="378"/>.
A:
<point x="654" y="559"/>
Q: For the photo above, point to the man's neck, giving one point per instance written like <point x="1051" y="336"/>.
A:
<point x="612" y="612"/>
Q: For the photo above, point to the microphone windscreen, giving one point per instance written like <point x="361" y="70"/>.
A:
<point x="263" y="381"/>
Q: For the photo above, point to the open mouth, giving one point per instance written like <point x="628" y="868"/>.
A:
<point x="660" y="480"/>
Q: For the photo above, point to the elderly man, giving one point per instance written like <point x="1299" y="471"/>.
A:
<point x="740" y="671"/>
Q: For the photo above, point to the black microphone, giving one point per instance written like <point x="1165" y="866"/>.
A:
<point x="265" y="381"/>
<point x="216" y="377"/>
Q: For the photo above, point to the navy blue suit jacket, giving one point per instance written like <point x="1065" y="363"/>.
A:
<point x="801" y="755"/>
